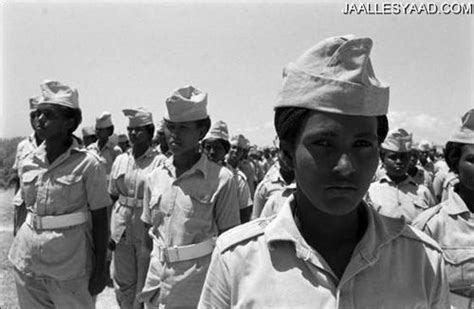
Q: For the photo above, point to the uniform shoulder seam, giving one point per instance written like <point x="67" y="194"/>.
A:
<point x="417" y="235"/>
<point x="241" y="233"/>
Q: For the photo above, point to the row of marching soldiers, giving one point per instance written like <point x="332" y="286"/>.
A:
<point x="154" y="209"/>
<point x="336" y="234"/>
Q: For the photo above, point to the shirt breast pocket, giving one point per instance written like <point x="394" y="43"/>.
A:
<point x="29" y="186"/>
<point x="202" y="200"/>
<point x="460" y="267"/>
<point x="69" y="188"/>
<point x="158" y="209"/>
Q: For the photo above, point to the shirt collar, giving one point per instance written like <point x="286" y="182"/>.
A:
<point x="408" y="180"/>
<point x="151" y="151"/>
<point x="454" y="203"/>
<point x="380" y="231"/>
<point x="40" y="153"/>
<point x="201" y="166"/>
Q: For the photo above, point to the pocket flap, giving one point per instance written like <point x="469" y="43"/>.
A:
<point x="458" y="256"/>
<point x="29" y="177"/>
<point x="69" y="179"/>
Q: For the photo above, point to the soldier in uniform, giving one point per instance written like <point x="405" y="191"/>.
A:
<point x="326" y="248"/>
<point x="216" y="145"/>
<point x="24" y="148"/>
<point x="123" y="142"/>
<point x="396" y="194"/>
<point x="59" y="253"/>
<point x="161" y="140"/>
<point x="129" y="261"/>
<point x="188" y="201"/>
<point x="104" y="147"/>
<point x="239" y="145"/>
<point x="278" y="180"/>
<point x="450" y="223"/>
<point x="88" y="136"/>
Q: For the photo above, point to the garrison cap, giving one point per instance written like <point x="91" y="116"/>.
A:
<point x="138" y="117"/>
<point x="424" y="145"/>
<point x="122" y="138"/>
<point x="465" y="133"/>
<point x="336" y="76"/>
<point x="33" y="101"/>
<point x="54" y="92"/>
<point x="240" y="141"/>
<point x="88" y="131"/>
<point x="186" y="104"/>
<point x="103" y="121"/>
<point x="398" y="140"/>
<point x="218" y="131"/>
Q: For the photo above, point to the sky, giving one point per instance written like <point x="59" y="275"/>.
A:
<point x="127" y="54"/>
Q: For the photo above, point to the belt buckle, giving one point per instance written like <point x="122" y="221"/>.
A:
<point x="172" y="254"/>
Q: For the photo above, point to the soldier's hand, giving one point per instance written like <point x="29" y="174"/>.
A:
<point x="97" y="282"/>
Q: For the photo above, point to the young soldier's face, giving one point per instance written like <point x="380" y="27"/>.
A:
<point x="396" y="163"/>
<point x="182" y="137"/>
<point x="215" y="150"/>
<point x="334" y="159"/>
<point x="466" y="167"/>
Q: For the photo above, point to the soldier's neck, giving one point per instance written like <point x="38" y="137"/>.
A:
<point x="185" y="161"/>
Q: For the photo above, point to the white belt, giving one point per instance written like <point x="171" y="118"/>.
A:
<point x="55" y="222"/>
<point x="184" y="253"/>
<point x="458" y="301"/>
<point x="130" y="201"/>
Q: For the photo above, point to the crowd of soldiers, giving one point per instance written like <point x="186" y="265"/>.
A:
<point x="315" y="222"/>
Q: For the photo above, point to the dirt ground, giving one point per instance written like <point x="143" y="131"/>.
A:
<point x="8" y="298"/>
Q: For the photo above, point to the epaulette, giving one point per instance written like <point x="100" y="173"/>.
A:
<point x="242" y="233"/>
<point x="92" y="153"/>
<point x="417" y="235"/>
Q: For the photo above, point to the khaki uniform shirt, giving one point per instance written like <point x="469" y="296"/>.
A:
<point x="442" y="183"/>
<point x="247" y="167"/>
<point x="108" y="153"/>
<point x="185" y="210"/>
<point x="127" y="179"/>
<point x="243" y="191"/>
<point x="24" y="148"/>
<point x="266" y="263"/>
<point x="406" y="199"/>
<point x="277" y="200"/>
<point x="268" y="187"/>
<point x="74" y="182"/>
<point x="451" y="224"/>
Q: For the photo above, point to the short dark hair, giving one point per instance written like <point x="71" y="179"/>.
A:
<point x="452" y="154"/>
<point x="289" y="121"/>
<point x="204" y="123"/>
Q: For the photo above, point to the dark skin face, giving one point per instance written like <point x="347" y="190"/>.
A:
<point x="183" y="137"/>
<point x="103" y="133"/>
<point x="214" y="150"/>
<point x="413" y="158"/>
<point x="465" y="170"/>
<point x="423" y="156"/>
<point x="51" y="123"/>
<point x="396" y="163"/>
<point x="236" y="154"/>
<point x="334" y="160"/>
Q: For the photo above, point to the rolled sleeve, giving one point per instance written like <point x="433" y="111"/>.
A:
<point x="227" y="206"/>
<point x="216" y="290"/>
<point x="146" y="213"/>
<point x="96" y="187"/>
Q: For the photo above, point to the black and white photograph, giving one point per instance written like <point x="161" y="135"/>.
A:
<point x="236" y="154"/>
